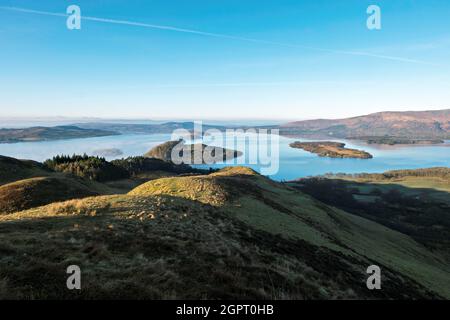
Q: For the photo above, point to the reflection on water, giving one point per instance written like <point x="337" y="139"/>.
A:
<point x="293" y="163"/>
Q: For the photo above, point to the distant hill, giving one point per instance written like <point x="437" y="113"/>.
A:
<point x="413" y="125"/>
<point x="49" y="133"/>
<point x="133" y="128"/>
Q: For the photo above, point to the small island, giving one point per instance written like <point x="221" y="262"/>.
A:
<point x="110" y="152"/>
<point x="196" y="153"/>
<point x="399" y="140"/>
<point x="331" y="149"/>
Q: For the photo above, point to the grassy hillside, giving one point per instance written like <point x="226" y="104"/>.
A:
<point x="164" y="248"/>
<point x="232" y="234"/>
<point x="271" y="207"/>
<point x="143" y="169"/>
<point x="34" y="192"/>
<point x="431" y="178"/>
<point x="13" y="169"/>
<point x="414" y="202"/>
<point x="28" y="184"/>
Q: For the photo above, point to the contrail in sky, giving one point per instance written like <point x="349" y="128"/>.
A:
<point x="218" y="35"/>
<point x="256" y="84"/>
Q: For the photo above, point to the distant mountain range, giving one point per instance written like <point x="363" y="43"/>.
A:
<point x="391" y="127"/>
<point x="412" y="127"/>
<point x="412" y="124"/>
<point x="130" y="128"/>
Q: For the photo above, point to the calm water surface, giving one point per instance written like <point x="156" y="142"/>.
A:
<point x="293" y="163"/>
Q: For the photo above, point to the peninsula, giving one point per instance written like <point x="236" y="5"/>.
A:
<point x="35" y="134"/>
<point x="398" y="140"/>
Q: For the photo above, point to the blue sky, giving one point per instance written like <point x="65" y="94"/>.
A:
<point x="284" y="59"/>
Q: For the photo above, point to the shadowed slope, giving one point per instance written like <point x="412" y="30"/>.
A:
<point x="163" y="247"/>
<point x="232" y="234"/>
<point x="34" y="192"/>
<point x="12" y="169"/>
<point x="274" y="208"/>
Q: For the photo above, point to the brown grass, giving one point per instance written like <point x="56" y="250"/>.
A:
<point x="167" y="246"/>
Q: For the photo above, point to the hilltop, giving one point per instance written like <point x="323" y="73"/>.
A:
<point x="34" y="192"/>
<point x="232" y="234"/>
<point x="391" y="126"/>
<point x="26" y="184"/>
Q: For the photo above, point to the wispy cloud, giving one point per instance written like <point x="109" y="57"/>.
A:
<point x="223" y="36"/>
<point x="256" y="84"/>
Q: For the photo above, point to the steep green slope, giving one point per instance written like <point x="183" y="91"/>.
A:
<point x="413" y="202"/>
<point x="232" y="234"/>
<point x="162" y="247"/>
<point x="271" y="207"/>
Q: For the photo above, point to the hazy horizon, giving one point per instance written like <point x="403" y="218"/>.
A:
<point x="44" y="118"/>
